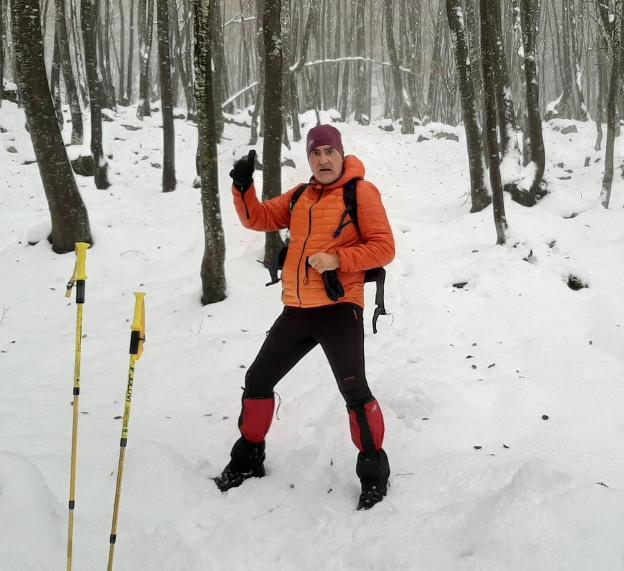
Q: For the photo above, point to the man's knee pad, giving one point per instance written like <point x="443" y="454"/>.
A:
<point x="255" y="418"/>
<point x="367" y="426"/>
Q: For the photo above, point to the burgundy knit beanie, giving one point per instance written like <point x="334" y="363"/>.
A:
<point x="324" y="135"/>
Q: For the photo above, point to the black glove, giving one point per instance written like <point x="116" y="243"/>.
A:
<point x="333" y="287"/>
<point x="242" y="173"/>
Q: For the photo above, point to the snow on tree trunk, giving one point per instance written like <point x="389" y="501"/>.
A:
<point x="488" y="48"/>
<point x="607" y="180"/>
<point x="508" y="134"/>
<point x="406" y="111"/>
<point x="68" y="74"/>
<point x="528" y="187"/>
<point x="88" y="19"/>
<point x="70" y="222"/>
<point x="581" y="108"/>
<point x="166" y="103"/>
<point x="478" y="191"/>
<point x="212" y="268"/>
<point x="272" y="147"/>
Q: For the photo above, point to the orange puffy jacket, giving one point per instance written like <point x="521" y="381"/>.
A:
<point x="314" y="220"/>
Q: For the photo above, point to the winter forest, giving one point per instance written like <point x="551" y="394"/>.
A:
<point x="492" y="130"/>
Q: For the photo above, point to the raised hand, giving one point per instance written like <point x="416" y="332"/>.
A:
<point x="242" y="173"/>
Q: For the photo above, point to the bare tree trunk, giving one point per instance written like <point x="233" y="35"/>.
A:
<point x="510" y="148"/>
<point x="433" y="92"/>
<point x="104" y="32"/>
<point x="188" y="33"/>
<point x="408" y="121"/>
<point x="122" y="54"/>
<point x="360" y="66"/>
<point x="581" y="109"/>
<point x="145" y="23"/>
<point x="286" y="93"/>
<point x="68" y="75"/>
<point x="212" y="268"/>
<point x="223" y="89"/>
<point x="261" y="89"/>
<point x="70" y="222"/>
<point x="478" y="191"/>
<point x="88" y="13"/>
<point x="562" y="107"/>
<point x="245" y="44"/>
<point x="131" y="35"/>
<point x="488" y="39"/>
<point x="79" y="59"/>
<point x="527" y="192"/>
<point x="164" y="57"/>
<point x="2" y="44"/>
<point x="55" y="82"/>
<point x="601" y="65"/>
<point x="185" y="73"/>
<point x="272" y="148"/>
<point x="346" y="69"/>
<point x="607" y="179"/>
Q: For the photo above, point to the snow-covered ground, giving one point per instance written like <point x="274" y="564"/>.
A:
<point x="502" y="398"/>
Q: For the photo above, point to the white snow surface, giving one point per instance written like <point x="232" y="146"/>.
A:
<point x="481" y="481"/>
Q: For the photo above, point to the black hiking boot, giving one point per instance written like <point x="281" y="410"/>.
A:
<point x="247" y="460"/>
<point x="371" y="494"/>
<point x="373" y="472"/>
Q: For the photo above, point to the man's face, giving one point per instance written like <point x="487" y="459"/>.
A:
<point x="326" y="164"/>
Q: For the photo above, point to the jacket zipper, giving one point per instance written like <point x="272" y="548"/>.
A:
<point x="305" y="242"/>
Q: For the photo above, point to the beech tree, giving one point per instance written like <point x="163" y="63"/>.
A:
<point x="212" y="267"/>
<point x="534" y="171"/>
<point x="400" y="94"/>
<point x="164" y="58"/>
<point x="145" y="19"/>
<point x="88" y="16"/>
<point x="614" y="82"/>
<point x="478" y="190"/>
<point x="68" y="74"/>
<point x="488" y="56"/>
<point x="360" y="67"/>
<point x="70" y="222"/>
<point x="273" y="117"/>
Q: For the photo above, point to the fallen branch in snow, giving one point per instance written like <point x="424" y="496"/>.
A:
<point x="237" y="95"/>
<point x="5" y="311"/>
<point x="297" y="65"/>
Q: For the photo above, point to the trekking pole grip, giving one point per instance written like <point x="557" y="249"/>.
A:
<point x="137" y="337"/>
<point x="81" y="270"/>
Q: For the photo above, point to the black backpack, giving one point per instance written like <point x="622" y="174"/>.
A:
<point x="377" y="275"/>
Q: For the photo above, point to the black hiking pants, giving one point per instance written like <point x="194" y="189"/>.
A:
<point x="340" y="332"/>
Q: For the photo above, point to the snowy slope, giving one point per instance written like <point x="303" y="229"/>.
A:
<point x="466" y="376"/>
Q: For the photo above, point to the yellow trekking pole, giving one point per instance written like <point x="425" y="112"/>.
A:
<point x="137" y="338"/>
<point x="78" y="279"/>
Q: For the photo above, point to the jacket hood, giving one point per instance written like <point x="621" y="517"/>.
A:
<point x="352" y="167"/>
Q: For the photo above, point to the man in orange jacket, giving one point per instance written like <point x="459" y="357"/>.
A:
<point x="323" y="238"/>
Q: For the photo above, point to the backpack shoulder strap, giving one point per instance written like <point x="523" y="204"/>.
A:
<point x="350" y="199"/>
<point x="297" y="195"/>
